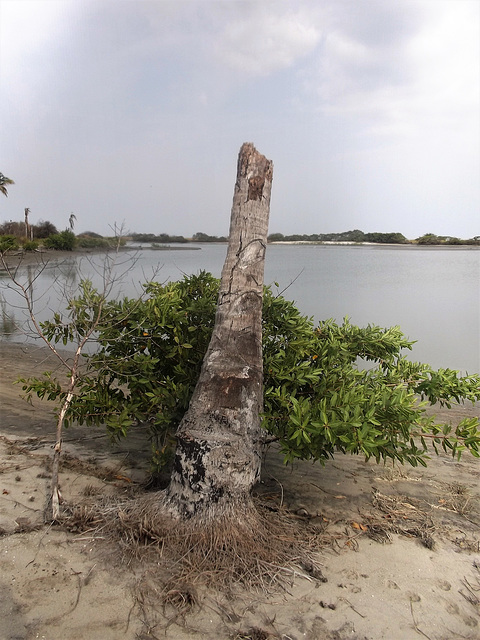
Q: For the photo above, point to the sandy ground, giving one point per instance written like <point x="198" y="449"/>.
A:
<point x="401" y="555"/>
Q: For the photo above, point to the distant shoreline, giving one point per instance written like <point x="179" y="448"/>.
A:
<point x="390" y="245"/>
<point x="52" y="257"/>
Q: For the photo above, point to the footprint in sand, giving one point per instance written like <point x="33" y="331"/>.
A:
<point x="452" y="608"/>
<point x="413" y="597"/>
<point x="391" y="584"/>
<point x="444" y="585"/>
<point x="351" y="587"/>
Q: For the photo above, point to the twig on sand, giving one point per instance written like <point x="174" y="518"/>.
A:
<point x="415" y="626"/>
<point x="338" y="496"/>
<point x="471" y="596"/>
<point x="281" y="489"/>
<point x="352" y="607"/>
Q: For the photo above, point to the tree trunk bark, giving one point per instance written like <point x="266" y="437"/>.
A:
<point x="219" y="440"/>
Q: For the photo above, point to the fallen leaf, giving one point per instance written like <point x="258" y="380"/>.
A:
<point x="123" y="478"/>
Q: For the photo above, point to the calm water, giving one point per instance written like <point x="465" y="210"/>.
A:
<point x="433" y="294"/>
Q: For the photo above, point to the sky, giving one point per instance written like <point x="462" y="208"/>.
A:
<point x="133" y="112"/>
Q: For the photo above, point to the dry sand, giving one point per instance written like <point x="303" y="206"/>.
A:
<point x="57" y="585"/>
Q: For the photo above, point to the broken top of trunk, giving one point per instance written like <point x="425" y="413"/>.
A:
<point x="219" y="441"/>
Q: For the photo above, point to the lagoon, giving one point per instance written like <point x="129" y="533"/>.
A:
<point x="432" y="293"/>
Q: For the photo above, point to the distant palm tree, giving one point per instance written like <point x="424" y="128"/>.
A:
<point x="3" y="182"/>
<point x="71" y="221"/>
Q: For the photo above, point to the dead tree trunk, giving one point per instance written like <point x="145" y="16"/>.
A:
<point x="28" y="230"/>
<point x="219" y="441"/>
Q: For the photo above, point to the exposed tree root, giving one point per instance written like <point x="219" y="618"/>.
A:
<point x="248" y="545"/>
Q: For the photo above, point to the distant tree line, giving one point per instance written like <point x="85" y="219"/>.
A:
<point x="381" y="238"/>
<point x="43" y="229"/>
<point x="164" y="238"/>
<point x="204" y="237"/>
<point x="431" y="238"/>
<point x="46" y="234"/>
<point x="14" y="235"/>
<point x="161" y="238"/>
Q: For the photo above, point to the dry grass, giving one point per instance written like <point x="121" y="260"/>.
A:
<point x="467" y="543"/>
<point x="399" y="515"/>
<point x="456" y="498"/>
<point x="249" y="545"/>
<point x="253" y="547"/>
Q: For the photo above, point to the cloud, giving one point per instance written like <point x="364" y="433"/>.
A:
<point x="448" y="55"/>
<point x="258" y="41"/>
<point x="404" y="68"/>
<point x="361" y="105"/>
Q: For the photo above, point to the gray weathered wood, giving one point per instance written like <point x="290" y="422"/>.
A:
<point x="219" y="441"/>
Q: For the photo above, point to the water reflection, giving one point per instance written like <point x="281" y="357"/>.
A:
<point x="8" y="326"/>
<point x="67" y="273"/>
<point x="433" y="295"/>
<point x="42" y="289"/>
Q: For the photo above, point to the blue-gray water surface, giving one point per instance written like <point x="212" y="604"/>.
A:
<point x="433" y="294"/>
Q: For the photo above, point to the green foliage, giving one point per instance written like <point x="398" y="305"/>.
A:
<point x="381" y="238"/>
<point x="455" y="241"/>
<point x="152" y="238"/>
<point x="3" y="184"/>
<point x="63" y="241"/>
<point x="204" y="237"/>
<point x="428" y="238"/>
<point x="98" y="242"/>
<point x="30" y="245"/>
<point x="346" y="236"/>
<point x="386" y="238"/>
<point x="327" y="389"/>
<point x="432" y="239"/>
<point x="8" y="243"/>
<point x="276" y="237"/>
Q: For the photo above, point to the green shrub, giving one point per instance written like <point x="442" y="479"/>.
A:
<point x="317" y="400"/>
<point x="429" y="238"/>
<point x="87" y="242"/>
<point x="31" y="245"/>
<point x="8" y="243"/>
<point x="63" y="241"/>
